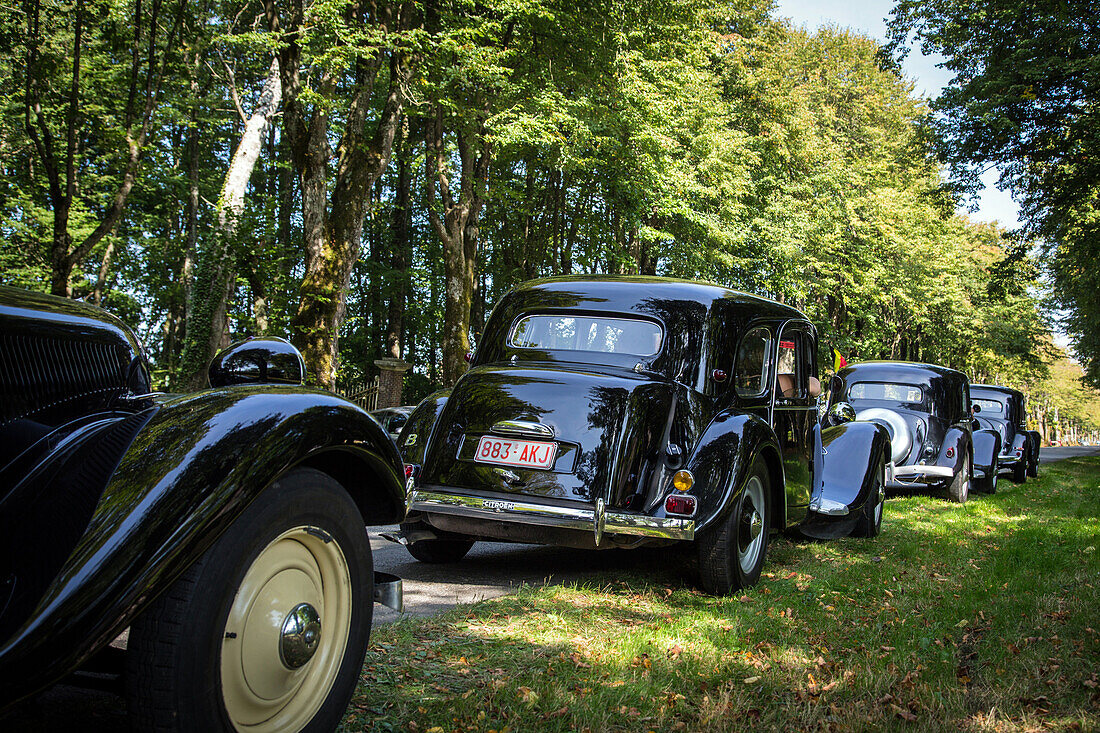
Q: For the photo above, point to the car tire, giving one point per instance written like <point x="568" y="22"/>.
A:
<point x="958" y="490"/>
<point x="1019" y="471"/>
<point x="869" y="522"/>
<point x="731" y="554"/>
<point x="988" y="485"/>
<point x="439" y="552"/>
<point x="1033" y="464"/>
<point x="211" y="654"/>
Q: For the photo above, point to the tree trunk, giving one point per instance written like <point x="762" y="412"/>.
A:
<point x="208" y="310"/>
<point x="401" y="255"/>
<point x="457" y="230"/>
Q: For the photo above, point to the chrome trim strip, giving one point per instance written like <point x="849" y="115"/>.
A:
<point x="522" y="428"/>
<point x="828" y="507"/>
<point x="938" y="471"/>
<point x="523" y="512"/>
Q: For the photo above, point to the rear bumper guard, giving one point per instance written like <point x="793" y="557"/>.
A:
<point x="908" y="476"/>
<point x="388" y="591"/>
<point x="598" y="520"/>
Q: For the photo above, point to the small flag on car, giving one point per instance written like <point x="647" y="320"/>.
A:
<point x="839" y="362"/>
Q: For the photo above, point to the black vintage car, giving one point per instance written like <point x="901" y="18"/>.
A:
<point x="632" y="411"/>
<point x="1003" y="409"/>
<point x="392" y="419"/>
<point x="926" y="409"/>
<point x="224" y="528"/>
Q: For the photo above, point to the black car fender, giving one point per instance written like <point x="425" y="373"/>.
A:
<point x="957" y="443"/>
<point x="192" y="466"/>
<point x="415" y="435"/>
<point x="721" y="461"/>
<point x="1035" y="441"/>
<point x="848" y="462"/>
<point x="987" y="444"/>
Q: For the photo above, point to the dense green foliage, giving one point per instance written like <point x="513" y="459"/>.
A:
<point x="1025" y="98"/>
<point x="534" y="137"/>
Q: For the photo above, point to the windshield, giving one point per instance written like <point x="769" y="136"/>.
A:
<point x="989" y="407"/>
<point x="885" y="391"/>
<point x="602" y="334"/>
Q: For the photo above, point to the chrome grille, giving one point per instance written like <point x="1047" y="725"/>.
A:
<point x="42" y="377"/>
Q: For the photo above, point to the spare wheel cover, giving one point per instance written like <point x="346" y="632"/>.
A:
<point x="901" y="440"/>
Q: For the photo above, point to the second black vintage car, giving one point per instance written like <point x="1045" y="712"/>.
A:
<point x="633" y="411"/>
<point x="224" y="528"/>
<point x="1003" y="409"/>
<point x="926" y="409"/>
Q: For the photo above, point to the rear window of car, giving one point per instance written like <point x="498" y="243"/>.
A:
<point x="885" y="391"/>
<point x="990" y="407"/>
<point x="601" y="334"/>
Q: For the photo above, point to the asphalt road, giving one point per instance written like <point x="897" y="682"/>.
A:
<point x="489" y="571"/>
<point x="1048" y="454"/>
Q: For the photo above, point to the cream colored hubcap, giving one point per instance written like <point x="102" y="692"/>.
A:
<point x="286" y="633"/>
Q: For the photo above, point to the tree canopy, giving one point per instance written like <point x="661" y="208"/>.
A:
<point x="414" y="160"/>
<point x="1025" y="99"/>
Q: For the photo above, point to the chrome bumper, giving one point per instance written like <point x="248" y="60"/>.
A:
<point x="926" y="471"/>
<point x="598" y="520"/>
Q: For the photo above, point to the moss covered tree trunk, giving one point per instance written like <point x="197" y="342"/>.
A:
<point x="333" y="228"/>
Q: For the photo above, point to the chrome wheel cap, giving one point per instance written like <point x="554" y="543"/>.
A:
<point x="750" y="534"/>
<point x="300" y="636"/>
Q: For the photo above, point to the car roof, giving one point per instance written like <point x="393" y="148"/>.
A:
<point x="638" y="293"/>
<point x="886" y="370"/>
<point x="996" y="388"/>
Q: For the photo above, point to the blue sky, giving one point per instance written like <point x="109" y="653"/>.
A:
<point x="869" y="17"/>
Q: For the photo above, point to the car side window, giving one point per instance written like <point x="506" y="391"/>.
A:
<point x="791" y="369"/>
<point x="750" y="370"/>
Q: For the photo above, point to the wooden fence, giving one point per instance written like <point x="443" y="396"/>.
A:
<point x="365" y="396"/>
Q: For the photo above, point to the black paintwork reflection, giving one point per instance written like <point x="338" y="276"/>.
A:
<point x="258" y="361"/>
<point x="850" y="449"/>
<point x="188" y="473"/>
<point x="59" y="361"/>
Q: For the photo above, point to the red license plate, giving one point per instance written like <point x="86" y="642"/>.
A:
<point x="509" y="452"/>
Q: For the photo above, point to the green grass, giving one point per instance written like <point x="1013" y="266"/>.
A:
<point x="977" y="617"/>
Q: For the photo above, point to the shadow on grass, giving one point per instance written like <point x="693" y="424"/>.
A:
<point x="977" y="616"/>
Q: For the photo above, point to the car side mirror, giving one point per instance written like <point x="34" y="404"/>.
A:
<point x="841" y="413"/>
<point x="975" y="408"/>
<point x="258" y="361"/>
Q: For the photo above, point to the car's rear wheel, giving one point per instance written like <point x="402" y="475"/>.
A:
<point x="731" y="555"/>
<point x="1019" y="471"/>
<point x="869" y="523"/>
<point x="959" y="489"/>
<point x="267" y="631"/>
<point x="988" y="485"/>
